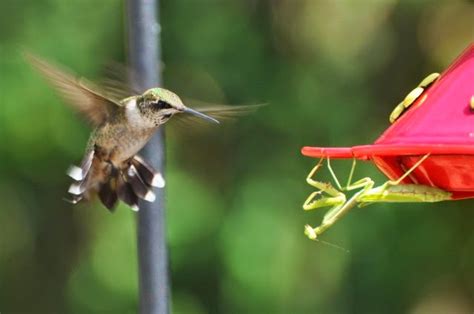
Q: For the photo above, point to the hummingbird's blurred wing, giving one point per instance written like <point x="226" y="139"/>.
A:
<point x="222" y="112"/>
<point x="78" y="92"/>
<point x="228" y="112"/>
<point x="117" y="82"/>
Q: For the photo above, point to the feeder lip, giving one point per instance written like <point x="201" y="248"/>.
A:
<point x="366" y="152"/>
<point x="331" y="152"/>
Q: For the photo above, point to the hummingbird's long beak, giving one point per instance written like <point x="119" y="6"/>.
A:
<point x="200" y="115"/>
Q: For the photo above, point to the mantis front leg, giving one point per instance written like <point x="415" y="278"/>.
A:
<point x="336" y="198"/>
<point x="337" y="201"/>
<point x="337" y="212"/>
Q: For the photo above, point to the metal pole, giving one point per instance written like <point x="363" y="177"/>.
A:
<point x="144" y="58"/>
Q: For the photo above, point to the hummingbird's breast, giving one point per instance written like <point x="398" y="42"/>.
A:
<point x="118" y="142"/>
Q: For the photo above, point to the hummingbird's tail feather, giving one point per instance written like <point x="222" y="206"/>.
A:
<point x="78" y="190"/>
<point x="147" y="173"/>
<point x="139" y="187"/>
<point x="126" y="194"/>
<point x="126" y="185"/>
<point x="80" y="173"/>
<point x="73" y="199"/>
<point x="108" y="194"/>
<point x="129" y="184"/>
<point x="91" y="177"/>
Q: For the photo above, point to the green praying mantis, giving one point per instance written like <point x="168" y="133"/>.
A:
<point x="390" y="191"/>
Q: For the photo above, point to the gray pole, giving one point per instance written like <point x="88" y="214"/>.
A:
<point x="144" y="58"/>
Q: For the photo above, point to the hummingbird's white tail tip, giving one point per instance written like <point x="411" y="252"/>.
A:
<point x="75" y="173"/>
<point x="150" y="197"/>
<point x="158" y="181"/>
<point x="147" y="173"/>
<point x="75" y="189"/>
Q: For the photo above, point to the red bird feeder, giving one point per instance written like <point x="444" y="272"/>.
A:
<point x="430" y="145"/>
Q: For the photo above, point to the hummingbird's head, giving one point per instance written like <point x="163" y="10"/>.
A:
<point x="158" y="105"/>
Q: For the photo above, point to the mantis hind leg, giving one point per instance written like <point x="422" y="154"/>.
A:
<point x="409" y="171"/>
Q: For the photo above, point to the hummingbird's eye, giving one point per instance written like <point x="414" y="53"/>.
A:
<point x="162" y="105"/>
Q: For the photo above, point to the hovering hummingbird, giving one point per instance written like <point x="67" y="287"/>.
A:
<point x="111" y="167"/>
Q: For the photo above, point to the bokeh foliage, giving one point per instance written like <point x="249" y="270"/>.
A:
<point x="331" y="71"/>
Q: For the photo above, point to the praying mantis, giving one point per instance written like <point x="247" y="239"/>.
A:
<point x="390" y="191"/>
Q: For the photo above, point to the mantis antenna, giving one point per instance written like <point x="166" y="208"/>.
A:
<point x="334" y="246"/>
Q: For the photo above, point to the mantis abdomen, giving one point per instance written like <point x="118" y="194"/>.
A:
<point x="404" y="193"/>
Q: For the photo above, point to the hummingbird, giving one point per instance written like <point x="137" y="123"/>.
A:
<point x="112" y="167"/>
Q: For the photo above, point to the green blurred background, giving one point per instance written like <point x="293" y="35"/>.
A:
<point x="331" y="72"/>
